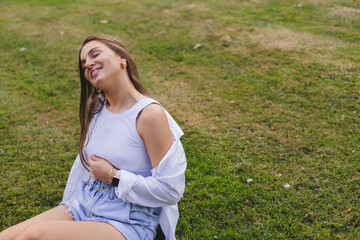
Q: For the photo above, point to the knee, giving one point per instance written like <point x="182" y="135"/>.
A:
<point x="33" y="232"/>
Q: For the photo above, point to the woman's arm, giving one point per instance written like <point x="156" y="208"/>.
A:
<point x="164" y="187"/>
<point x="153" y="128"/>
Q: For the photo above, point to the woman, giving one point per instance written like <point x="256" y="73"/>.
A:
<point x="129" y="174"/>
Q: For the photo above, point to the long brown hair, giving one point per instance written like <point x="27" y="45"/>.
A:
<point x="92" y="101"/>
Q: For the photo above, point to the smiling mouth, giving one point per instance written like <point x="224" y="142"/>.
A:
<point x="95" y="72"/>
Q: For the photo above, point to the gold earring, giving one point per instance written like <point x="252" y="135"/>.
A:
<point x="123" y="65"/>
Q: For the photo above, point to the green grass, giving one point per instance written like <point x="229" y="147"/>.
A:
<point x="272" y="94"/>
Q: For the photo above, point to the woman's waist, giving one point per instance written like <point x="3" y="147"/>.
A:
<point x="94" y="187"/>
<point x="99" y="198"/>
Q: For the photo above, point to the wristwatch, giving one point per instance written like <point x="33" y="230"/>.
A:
<point x="115" y="181"/>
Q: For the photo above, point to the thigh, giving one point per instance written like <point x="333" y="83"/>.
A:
<point x="59" y="213"/>
<point x="77" y="230"/>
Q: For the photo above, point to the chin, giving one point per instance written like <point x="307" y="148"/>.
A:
<point x="102" y="87"/>
<point x="98" y="84"/>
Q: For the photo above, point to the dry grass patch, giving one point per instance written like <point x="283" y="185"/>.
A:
<point x="230" y="36"/>
<point x="171" y="12"/>
<point x="182" y="103"/>
<point x="286" y="39"/>
<point x="175" y="11"/>
<point x="176" y="96"/>
<point x="345" y="12"/>
<point x="40" y="21"/>
<point x="196" y="6"/>
<point x="201" y="29"/>
<point x="326" y="60"/>
<point x="317" y="49"/>
<point x="327" y="2"/>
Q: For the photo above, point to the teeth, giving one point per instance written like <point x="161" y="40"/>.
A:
<point x="94" y="72"/>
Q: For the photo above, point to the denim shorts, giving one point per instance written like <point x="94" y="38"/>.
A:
<point x="96" y="201"/>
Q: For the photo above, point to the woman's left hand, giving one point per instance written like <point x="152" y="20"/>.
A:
<point x="101" y="169"/>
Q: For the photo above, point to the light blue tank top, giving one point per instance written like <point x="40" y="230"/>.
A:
<point x="113" y="136"/>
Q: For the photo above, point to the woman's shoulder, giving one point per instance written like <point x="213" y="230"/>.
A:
<point x="152" y="114"/>
<point x="155" y="116"/>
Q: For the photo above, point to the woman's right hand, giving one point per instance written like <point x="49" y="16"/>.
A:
<point x="101" y="169"/>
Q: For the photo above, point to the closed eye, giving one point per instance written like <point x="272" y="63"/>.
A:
<point x="94" y="56"/>
<point x="94" y="52"/>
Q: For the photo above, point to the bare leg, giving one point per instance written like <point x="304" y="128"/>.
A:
<point x="70" y="230"/>
<point x="59" y="213"/>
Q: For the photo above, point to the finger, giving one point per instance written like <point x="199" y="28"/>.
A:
<point x="94" y="157"/>
<point x="90" y="162"/>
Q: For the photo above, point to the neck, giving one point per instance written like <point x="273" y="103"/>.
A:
<point x="122" y="95"/>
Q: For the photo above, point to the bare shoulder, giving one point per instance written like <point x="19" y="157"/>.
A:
<point x="152" y="118"/>
<point x="152" y="114"/>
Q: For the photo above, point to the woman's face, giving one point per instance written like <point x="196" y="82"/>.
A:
<point x="101" y="64"/>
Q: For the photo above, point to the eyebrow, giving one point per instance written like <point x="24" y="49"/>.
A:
<point x="90" y="51"/>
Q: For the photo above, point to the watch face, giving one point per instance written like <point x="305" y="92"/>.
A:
<point x="115" y="182"/>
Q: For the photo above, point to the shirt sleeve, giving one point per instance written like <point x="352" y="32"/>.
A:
<point x="164" y="187"/>
<point x="78" y="173"/>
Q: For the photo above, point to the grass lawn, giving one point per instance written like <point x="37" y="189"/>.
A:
<point x="270" y="93"/>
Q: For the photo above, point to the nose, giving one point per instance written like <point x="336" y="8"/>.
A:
<point x="89" y="64"/>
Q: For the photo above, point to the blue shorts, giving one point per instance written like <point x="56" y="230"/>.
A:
<point x="96" y="201"/>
